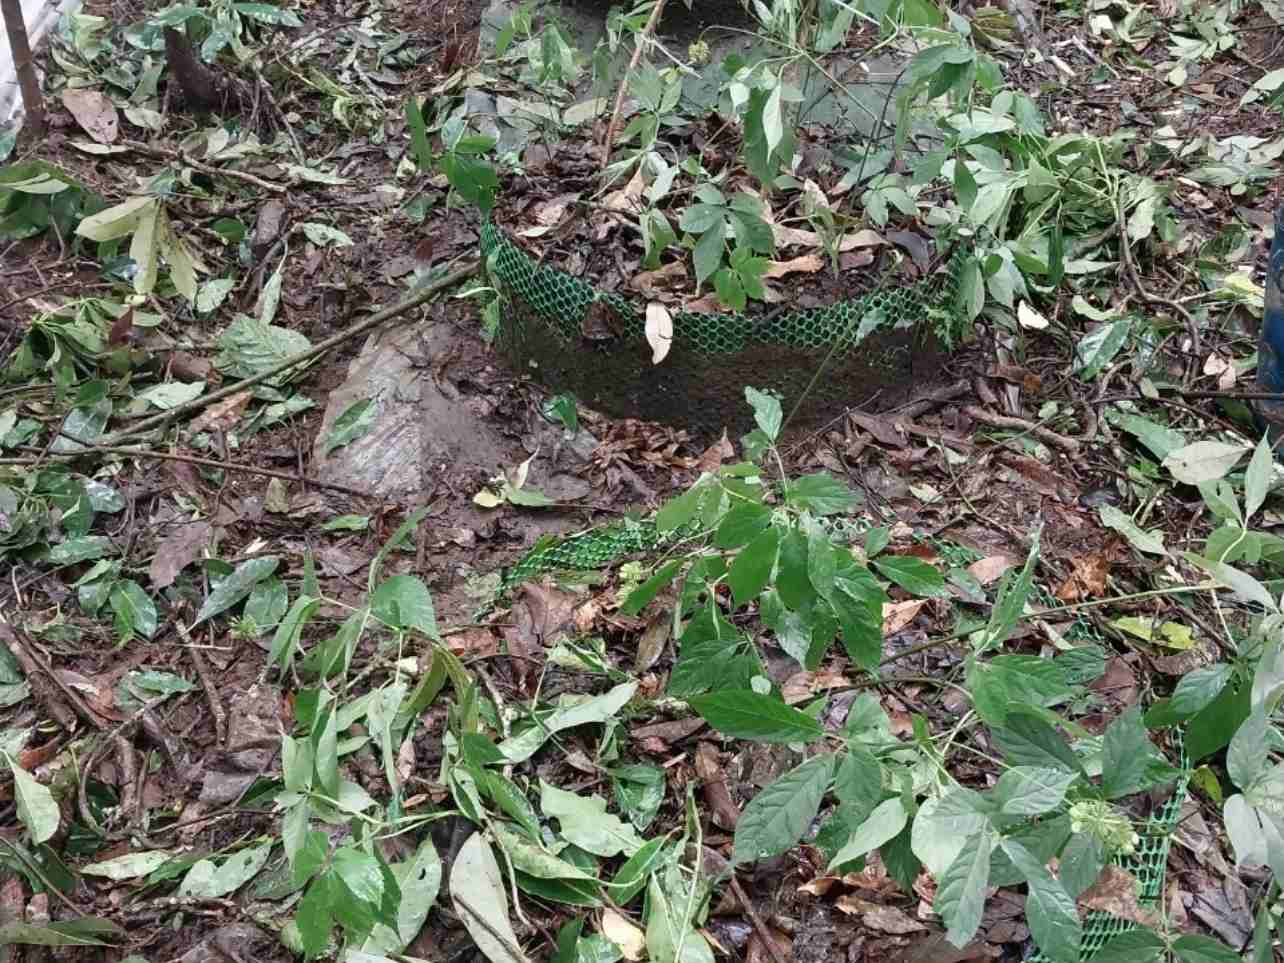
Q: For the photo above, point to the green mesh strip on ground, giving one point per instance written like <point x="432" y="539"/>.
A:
<point x="563" y="300"/>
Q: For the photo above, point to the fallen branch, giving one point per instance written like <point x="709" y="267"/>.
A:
<point x="1061" y="441"/>
<point x="413" y="300"/>
<point x="641" y="42"/>
<point x="173" y="155"/>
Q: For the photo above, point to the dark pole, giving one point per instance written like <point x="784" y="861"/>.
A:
<point x="24" y="66"/>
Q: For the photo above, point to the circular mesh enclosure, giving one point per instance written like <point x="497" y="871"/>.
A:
<point x="574" y="338"/>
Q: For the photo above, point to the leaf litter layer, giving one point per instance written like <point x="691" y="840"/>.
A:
<point x="265" y="710"/>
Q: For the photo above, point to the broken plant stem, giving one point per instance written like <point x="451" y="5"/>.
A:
<point x="172" y="155"/>
<point x="1192" y="328"/>
<point x="413" y="300"/>
<point x="90" y="449"/>
<point x="641" y="41"/>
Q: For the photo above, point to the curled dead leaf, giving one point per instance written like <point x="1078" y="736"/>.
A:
<point x="628" y="198"/>
<point x="989" y="569"/>
<point x="795" y="237"/>
<point x="897" y="615"/>
<point x="94" y="112"/>
<point x="801" y="686"/>
<point x="659" y="331"/>
<point x="650" y="283"/>
<point x="222" y="415"/>
<point x="806" y="263"/>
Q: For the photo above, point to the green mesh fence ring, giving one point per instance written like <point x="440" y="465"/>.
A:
<point x="872" y="349"/>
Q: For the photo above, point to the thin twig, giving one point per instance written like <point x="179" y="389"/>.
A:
<point x="210" y="169"/>
<point x="207" y="683"/>
<point x="642" y="39"/>
<point x="89" y="449"/>
<point x="1064" y="442"/>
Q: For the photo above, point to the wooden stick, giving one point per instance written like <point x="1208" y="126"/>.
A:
<point x="645" y="35"/>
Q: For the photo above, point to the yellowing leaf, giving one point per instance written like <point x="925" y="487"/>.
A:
<point x="115" y="222"/>
<point x="1177" y="636"/>
<point x="617" y="928"/>
<point x="145" y="249"/>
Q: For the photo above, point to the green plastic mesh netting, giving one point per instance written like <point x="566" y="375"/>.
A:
<point x="573" y="337"/>
<point x="1147" y="863"/>
<point x="891" y="341"/>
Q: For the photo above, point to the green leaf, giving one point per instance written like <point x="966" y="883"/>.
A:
<point x="315" y="916"/>
<point x="1203" y="461"/>
<point x="236" y="586"/>
<point x="326" y="752"/>
<point x="419" y="879"/>
<point x="1246" y="758"/>
<point x="1241" y="583"/>
<point x="964" y="186"/>
<point x="1160" y="439"/>
<point x="129" y="866"/>
<point x="1202" y="949"/>
<point x="135" y="611"/>
<point x="1008" y="682"/>
<point x="36" y="806"/>
<point x="418" y="134"/>
<point x="598" y="709"/>
<point x="205" y="881"/>
<point x="1009" y="604"/>
<point x="632" y="876"/>
<point x="1050" y="912"/>
<point x="821" y="494"/>
<point x="677" y="512"/>
<point x="1134" y="946"/>
<point x="532" y="859"/>
<point x="884" y="823"/>
<point x="82" y="932"/>
<point x="355" y="421"/>
<point x="1099" y="346"/>
<point x="858" y="784"/>
<point x="1031" y="791"/>
<point x="777" y="817"/>
<point x="742" y="524"/>
<point x="584" y="821"/>
<point x="1081" y="863"/>
<point x="668" y="927"/>
<point x="360" y="873"/>
<point x="766" y="411"/>
<point x="1151" y="542"/>
<point x="943" y="825"/>
<point x="708" y="252"/>
<point x="1199" y="687"/>
<point x="960" y="890"/>
<point x="639" y="791"/>
<point x="1126" y="755"/>
<point x="1257" y="479"/>
<point x="290" y="629"/>
<point x="743" y="714"/>
<point x="1027" y="740"/>
<point x="751" y="569"/>
<point x="404" y="602"/>
<point x="912" y="574"/>
<point x="83" y="549"/>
